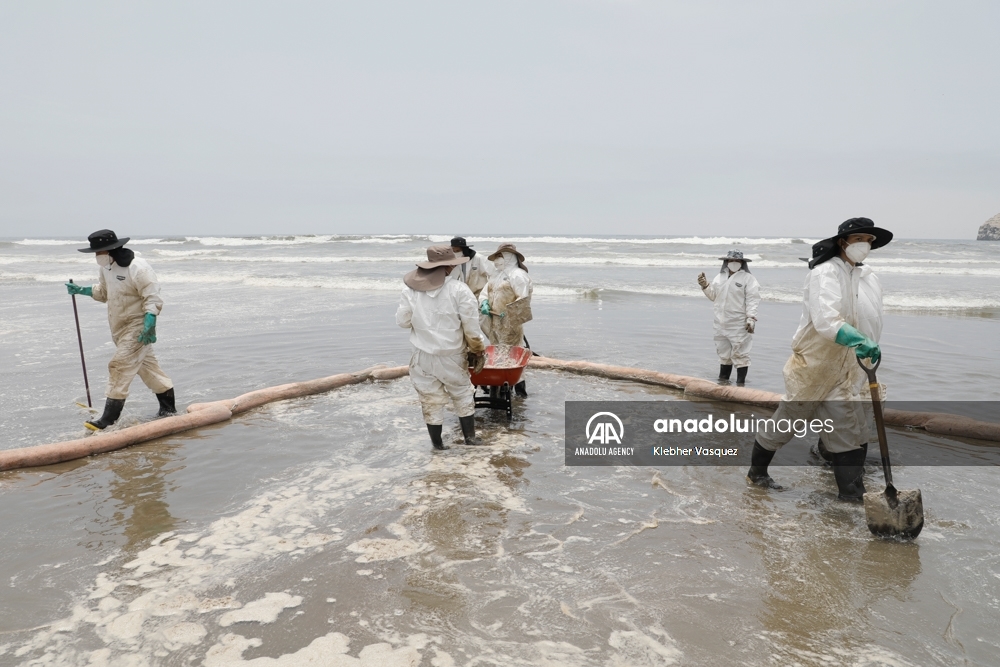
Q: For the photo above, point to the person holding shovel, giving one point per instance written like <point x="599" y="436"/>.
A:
<point x="128" y="285"/>
<point x="505" y="302"/>
<point x="841" y="322"/>
<point x="444" y="329"/>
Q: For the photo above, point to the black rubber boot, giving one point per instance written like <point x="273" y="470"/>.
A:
<point x="725" y="371"/>
<point x="741" y="376"/>
<point x="823" y="452"/>
<point x="166" y="400"/>
<point x="760" y="458"/>
<point x="469" y="430"/>
<point x="435" y="432"/>
<point x="848" y="469"/>
<point x="112" y="411"/>
<point x="520" y="389"/>
<point x="827" y="457"/>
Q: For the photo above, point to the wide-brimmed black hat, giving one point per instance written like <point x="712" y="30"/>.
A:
<point x="104" y="239"/>
<point x="459" y="242"/>
<point x="829" y="248"/>
<point x="863" y="226"/>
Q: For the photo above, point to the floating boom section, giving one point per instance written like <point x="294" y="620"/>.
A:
<point x="205" y="414"/>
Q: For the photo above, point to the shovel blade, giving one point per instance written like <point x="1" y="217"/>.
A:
<point x="903" y="517"/>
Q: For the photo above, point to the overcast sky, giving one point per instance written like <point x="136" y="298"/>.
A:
<point x="555" y="117"/>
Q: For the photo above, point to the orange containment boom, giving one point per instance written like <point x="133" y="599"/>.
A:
<point x="205" y="414"/>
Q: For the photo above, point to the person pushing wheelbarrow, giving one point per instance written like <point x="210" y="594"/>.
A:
<point x="444" y="329"/>
<point x="505" y="302"/>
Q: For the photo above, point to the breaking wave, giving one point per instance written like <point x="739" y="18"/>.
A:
<point x="894" y="301"/>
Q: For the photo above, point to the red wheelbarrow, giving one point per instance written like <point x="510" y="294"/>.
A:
<point x="498" y="377"/>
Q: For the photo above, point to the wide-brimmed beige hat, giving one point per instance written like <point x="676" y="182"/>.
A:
<point x="509" y="247"/>
<point x="431" y="274"/>
<point x="441" y="255"/>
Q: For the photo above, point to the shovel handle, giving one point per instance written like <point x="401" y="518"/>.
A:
<point x="870" y="372"/>
<point x="79" y="339"/>
<point x="883" y="442"/>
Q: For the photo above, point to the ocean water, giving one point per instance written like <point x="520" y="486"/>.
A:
<point x="326" y="525"/>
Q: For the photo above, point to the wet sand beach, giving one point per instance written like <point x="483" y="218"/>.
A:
<point x="326" y="524"/>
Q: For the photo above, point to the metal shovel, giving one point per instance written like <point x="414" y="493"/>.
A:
<point x="891" y="512"/>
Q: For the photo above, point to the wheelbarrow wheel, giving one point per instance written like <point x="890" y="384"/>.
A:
<point x="507" y="400"/>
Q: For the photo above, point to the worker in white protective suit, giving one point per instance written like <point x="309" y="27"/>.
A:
<point x="473" y="273"/>
<point x="441" y="315"/>
<point x="505" y="302"/>
<point x="129" y="287"/>
<point x="841" y="322"/>
<point x="869" y="324"/>
<point x="736" y="294"/>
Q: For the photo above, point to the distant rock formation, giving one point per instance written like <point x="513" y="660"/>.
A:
<point x="990" y="231"/>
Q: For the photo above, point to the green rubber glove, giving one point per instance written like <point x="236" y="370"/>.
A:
<point x="484" y="308"/>
<point x="148" y="334"/>
<point x="863" y="346"/>
<point x="73" y="288"/>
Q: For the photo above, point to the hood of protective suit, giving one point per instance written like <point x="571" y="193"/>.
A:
<point x="122" y="256"/>
<point x="511" y="262"/>
<point x="506" y="250"/>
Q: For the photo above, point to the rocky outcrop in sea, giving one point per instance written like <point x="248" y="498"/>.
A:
<point x="990" y="231"/>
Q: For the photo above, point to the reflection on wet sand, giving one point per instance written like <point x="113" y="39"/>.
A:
<point x="822" y="575"/>
<point x="138" y="494"/>
<point x="452" y="516"/>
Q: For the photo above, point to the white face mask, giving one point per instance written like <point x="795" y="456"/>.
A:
<point x="734" y="266"/>
<point x="856" y="252"/>
<point x="459" y="254"/>
<point x="104" y="260"/>
<point x="499" y="263"/>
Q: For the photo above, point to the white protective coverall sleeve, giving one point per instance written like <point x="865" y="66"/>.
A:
<point x="99" y="292"/>
<point x="520" y="282"/>
<point x="753" y="296"/>
<point x="870" y="304"/>
<point x="825" y="300"/>
<point x="870" y="311"/>
<point x="712" y="290"/>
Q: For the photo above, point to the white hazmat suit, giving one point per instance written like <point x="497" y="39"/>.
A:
<point x="131" y="292"/>
<point x="507" y="284"/>
<point x="444" y="325"/>
<point x="822" y="378"/>
<point x="736" y="299"/>
<point x="474" y="273"/>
